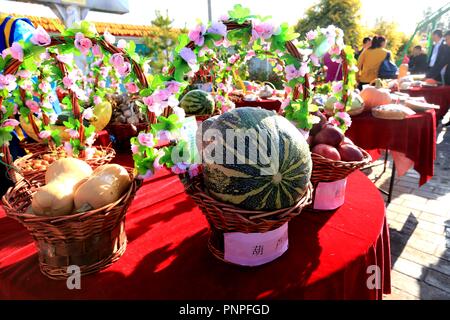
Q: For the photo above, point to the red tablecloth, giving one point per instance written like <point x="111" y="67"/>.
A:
<point x="414" y="136"/>
<point x="167" y="255"/>
<point x="268" y="104"/>
<point x="438" y="95"/>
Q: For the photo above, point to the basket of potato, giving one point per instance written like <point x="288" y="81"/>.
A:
<point x="77" y="217"/>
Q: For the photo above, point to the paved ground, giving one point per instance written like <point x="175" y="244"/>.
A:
<point x="419" y="221"/>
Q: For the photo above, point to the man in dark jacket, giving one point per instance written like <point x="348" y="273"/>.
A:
<point x="447" y="71"/>
<point x="438" y="57"/>
<point x="418" y="62"/>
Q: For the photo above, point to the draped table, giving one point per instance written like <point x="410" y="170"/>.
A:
<point x="434" y="95"/>
<point x="330" y="255"/>
<point x="412" y="140"/>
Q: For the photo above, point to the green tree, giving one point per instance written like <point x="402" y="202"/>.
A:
<point x="344" y="14"/>
<point x="161" y="41"/>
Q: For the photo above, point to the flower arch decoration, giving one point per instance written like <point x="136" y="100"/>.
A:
<point x="51" y="59"/>
<point x="239" y="27"/>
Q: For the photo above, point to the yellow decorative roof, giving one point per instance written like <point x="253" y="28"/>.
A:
<point x="125" y="30"/>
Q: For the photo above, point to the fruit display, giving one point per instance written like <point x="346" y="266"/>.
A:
<point x="125" y="110"/>
<point x="377" y="95"/>
<point x="56" y="196"/>
<point x="198" y="102"/>
<point x="331" y="143"/>
<point x="106" y="184"/>
<point x="71" y="185"/>
<point x="244" y="183"/>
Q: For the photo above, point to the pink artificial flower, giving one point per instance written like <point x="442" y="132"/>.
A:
<point x="189" y="56"/>
<point x="10" y="123"/>
<point x="53" y="117"/>
<point x="102" y="84"/>
<point x="88" y="113"/>
<point x="181" y="114"/>
<point x="146" y="139"/>
<point x="24" y="74"/>
<point x="44" y="56"/>
<point x="148" y="101"/>
<point x="134" y="148"/>
<point x="311" y="35"/>
<point x="180" y="168"/>
<point x="165" y="69"/>
<point x="194" y="170"/>
<point x="235" y="57"/>
<point x="40" y="37"/>
<point x="291" y="72"/>
<point x="8" y="82"/>
<point x="27" y="85"/>
<point x="173" y="86"/>
<point x="124" y="69"/>
<point x="33" y="106"/>
<point x="65" y="58"/>
<point x="156" y="164"/>
<point x="304" y="69"/>
<point x="68" y="148"/>
<point x="224" y="17"/>
<point x="97" y="51"/>
<point x="109" y="37"/>
<point x="80" y="93"/>
<point x="104" y="71"/>
<point x="337" y="87"/>
<point x="218" y="27"/>
<point x="44" y="87"/>
<point x="68" y="82"/>
<point x="315" y="60"/>
<point x="335" y="50"/>
<point x="91" y="139"/>
<point x="164" y="136"/>
<point x="250" y="54"/>
<point x="74" y="134"/>
<point x="278" y="67"/>
<point x="131" y="87"/>
<point x="338" y="106"/>
<point x="15" y="51"/>
<point x="262" y="30"/>
<point x="82" y="43"/>
<point x="121" y="44"/>
<point x="346" y="117"/>
<point x="146" y="176"/>
<point x="333" y="121"/>
<point x="196" y="34"/>
<point x="45" y="134"/>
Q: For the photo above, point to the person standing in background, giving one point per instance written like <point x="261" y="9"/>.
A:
<point x="418" y="62"/>
<point x="437" y="60"/>
<point x="370" y="60"/>
<point x="367" y="42"/>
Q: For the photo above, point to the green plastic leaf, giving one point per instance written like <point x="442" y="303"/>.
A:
<point x="183" y="40"/>
<point x="5" y="135"/>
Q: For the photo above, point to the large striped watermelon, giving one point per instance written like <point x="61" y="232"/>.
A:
<point x="257" y="186"/>
<point x="197" y="102"/>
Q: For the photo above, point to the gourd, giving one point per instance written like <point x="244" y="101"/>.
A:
<point x="248" y="183"/>
<point x="198" y="102"/>
<point x="105" y="186"/>
<point x="374" y="96"/>
<point x="61" y="178"/>
<point x="357" y="105"/>
<point x="71" y="166"/>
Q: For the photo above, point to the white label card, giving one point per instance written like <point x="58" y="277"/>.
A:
<point x="254" y="249"/>
<point x="330" y="195"/>
<point x="189" y="131"/>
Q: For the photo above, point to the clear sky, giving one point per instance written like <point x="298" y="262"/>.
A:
<point x="407" y="13"/>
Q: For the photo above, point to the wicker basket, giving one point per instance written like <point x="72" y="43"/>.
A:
<point x="35" y="177"/>
<point x="223" y="217"/>
<point x="326" y="170"/>
<point x="91" y="240"/>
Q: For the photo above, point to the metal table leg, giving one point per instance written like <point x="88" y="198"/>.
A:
<point x="391" y="183"/>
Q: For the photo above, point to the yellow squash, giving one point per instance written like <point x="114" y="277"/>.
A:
<point x="106" y="185"/>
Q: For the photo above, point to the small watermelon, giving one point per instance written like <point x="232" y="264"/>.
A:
<point x="277" y="179"/>
<point x="201" y="129"/>
<point x="198" y="102"/>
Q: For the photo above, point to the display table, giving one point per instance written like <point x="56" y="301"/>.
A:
<point x="435" y="95"/>
<point x="268" y="104"/>
<point x="167" y="256"/>
<point x="414" y="140"/>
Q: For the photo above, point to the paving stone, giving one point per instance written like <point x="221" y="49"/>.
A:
<point x="439" y="280"/>
<point x="410" y="268"/>
<point x="398" y="294"/>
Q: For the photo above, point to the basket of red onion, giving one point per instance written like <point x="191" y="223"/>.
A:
<point x="334" y="158"/>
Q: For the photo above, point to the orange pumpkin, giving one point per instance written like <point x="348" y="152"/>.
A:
<point x="374" y="96"/>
